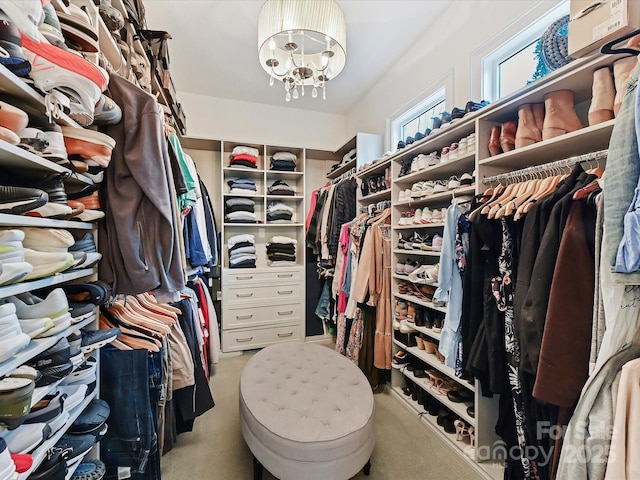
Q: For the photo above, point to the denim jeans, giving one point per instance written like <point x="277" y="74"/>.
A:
<point x="131" y="383"/>
<point x="322" y="310"/>
<point x="623" y="171"/>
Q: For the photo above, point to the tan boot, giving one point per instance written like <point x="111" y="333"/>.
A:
<point x="621" y="71"/>
<point x="508" y="135"/>
<point x="527" y="132"/>
<point x="494" y="141"/>
<point x="538" y="115"/>
<point x="560" y="114"/>
<point x="603" y="95"/>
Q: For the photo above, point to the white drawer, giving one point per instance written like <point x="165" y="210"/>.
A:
<point x="246" y="339"/>
<point x="269" y="294"/>
<point x="275" y="275"/>
<point x="240" y="317"/>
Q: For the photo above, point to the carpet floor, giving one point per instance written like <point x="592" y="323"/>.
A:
<point x="215" y="450"/>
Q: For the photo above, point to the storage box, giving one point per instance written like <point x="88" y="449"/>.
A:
<point x="594" y="23"/>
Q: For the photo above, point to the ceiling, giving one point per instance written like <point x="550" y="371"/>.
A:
<point x="214" y="47"/>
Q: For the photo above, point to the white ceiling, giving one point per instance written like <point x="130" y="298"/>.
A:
<point x="214" y="47"/>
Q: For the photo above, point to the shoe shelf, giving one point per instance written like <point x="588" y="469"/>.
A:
<point x="438" y="197"/>
<point x="487" y="470"/>
<point x="460" y="409"/>
<point x="39" y="345"/>
<point x="406" y="278"/>
<point x="40" y="453"/>
<point x="585" y="140"/>
<point x="440" y="170"/>
<point x="415" y="226"/>
<point x="32" y="101"/>
<point x="382" y="195"/>
<point x="344" y="168"/>
<point x="427" y="331"/>
<point x="414" y="299"/>
<point x="58" y="278"/>
<point x="8" y="220"/>
<point x="401" y="251"/>
<point x="113" y="54"/>
<point x="377" y="166"/>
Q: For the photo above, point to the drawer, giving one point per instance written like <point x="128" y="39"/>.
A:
<point x="275" y="293"/>
<point x="246" y="339"/>
<point x="238" y="276"/>
<point x="263" y="315"/>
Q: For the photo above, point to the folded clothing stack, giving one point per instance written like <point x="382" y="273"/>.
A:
<point x="239" y="210"/>
<point x="246" y="186"/>
<point x="280" y="187"/>
<point x="346" y="158"/>
<point x="244" y="157"/>
<point x="281" y="251"/>
<point x="284" y="161"/>
<point x="278" y="212"/>
<point x="242" y="251"/>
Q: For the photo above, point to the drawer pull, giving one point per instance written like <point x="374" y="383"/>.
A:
<point x="244" y="295"/>
<point x="283" y="335"/>
<point x="244" y="340"/>
<point x="285" y="275"/>
<point x="244" y="277"/>
<point x="244" y="317"/>
<point x="285" y="292"/>
<point x="288" y="312"/>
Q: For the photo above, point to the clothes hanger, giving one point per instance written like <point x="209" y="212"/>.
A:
<point x="507" y="196"/>
<point x="608" y="49"/>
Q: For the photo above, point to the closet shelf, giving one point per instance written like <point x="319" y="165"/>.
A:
<point x="377" y="196"/>
<point x="285" y="175"/>
<point x="411" y="298"/>
<point x="438" y="197"/>
<point x="38" y="346"/>
<point x="17" y="288"/>
<point x="244" y="172"/>
<point x="344" y="168"/>
<point x="401" y="251"/>
<point x="243" y="195"/>
<point x="283" y="224"/>
<point x="585" y="140"/>
<point x="460" y="409"/>
<point x="7" y="220"/>
<point x="378" y="166"/>
<point x="430" y="359"/>
<point x="440" y="171"/>
<point x="488" y="470"/>
<point x="285" y="197"/>
<point x="427" y="331"/>
<point x="40" y="454"/>
<point x="405" y="277"/>
<point x="415" y="226"/>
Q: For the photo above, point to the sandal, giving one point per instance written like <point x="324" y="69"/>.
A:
<point x="462" y="430"/>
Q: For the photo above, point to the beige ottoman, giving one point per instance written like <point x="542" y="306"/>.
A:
<point x="306" y="413"/>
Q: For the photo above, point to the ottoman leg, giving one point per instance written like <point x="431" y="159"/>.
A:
<point x="257" y="469"/>
<point x="367" y="468"/>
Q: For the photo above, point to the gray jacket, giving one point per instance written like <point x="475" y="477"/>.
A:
<point x="141" y="243"/>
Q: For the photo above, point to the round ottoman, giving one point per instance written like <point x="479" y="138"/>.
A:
<point x="306" y="413"/>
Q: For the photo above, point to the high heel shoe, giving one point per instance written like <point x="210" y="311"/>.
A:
<point x="462" y="430"/>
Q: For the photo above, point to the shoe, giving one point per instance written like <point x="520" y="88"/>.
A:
<point x="107" y="112"/>
<point x="56" y="151"/>
<point x="111" y="16"/>
<point x="47" y="239"/>
<point x="602" y="97"/>
<point x="54" y="363"/>
<point x="439" y="186"/>
<point x="19" y="200"/>
<point x="75" y="394"/>
<point x="453" y="151"/>
<point x="454" y="182"/>
<point x="97" y="292"/>
<point x="53" y="467"/>
<point x="26" y="438"/>
<point x="90" y="145"/>
<point x="621" y="71"/>
<point x="466" y="180"/>
<point x="560" y="115"/>
<point x="400" y="359"/>
<point x="444" y="155"/>
<point x="78" y="30"/>
<point x="92" y="419"/>
<point x="26" y="15"/>
<point x="460" y="396"/>
<point x="75" y="446"/>
<point x="508" y="135"/>
<point x="85" y="374"/>
<point x="50" y="27"/>
<point x="46" y="264"/>
<point x="34" y="327"/>
<point x="494" y="141"/>
<point x="527" y="132"/>
<point x="13" y="118"/>
<point x="54" y="307"/>
<point x="95" y="339"/>
<point x="10" y="40"/>
<point x="92" y="469"/>
<point x="436" y="216"/>
<point x="15" y="400"/>
<point x="52" y="67"/>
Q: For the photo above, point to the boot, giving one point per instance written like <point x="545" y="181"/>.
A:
<point x="528" y="132"/>
<point x="621" y="71"/>
<point x="508" y="135"/>
<point x="560" y="114"/>
<point x="494" y="141"/>
<point x="603" y="96"/>
<point x="538" y="115"/>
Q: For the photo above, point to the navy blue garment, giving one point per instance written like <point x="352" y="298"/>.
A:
<point x="194" y="251"/>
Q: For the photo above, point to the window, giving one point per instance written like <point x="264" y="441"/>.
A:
<point x="422" y="121"/>
<point x="509" y="66"/>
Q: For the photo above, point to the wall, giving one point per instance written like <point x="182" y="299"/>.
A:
<point x="231" y="120"/>
<point x="450" y="45"/>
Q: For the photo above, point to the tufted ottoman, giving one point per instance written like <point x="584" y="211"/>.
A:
<point x="306" y="413"/>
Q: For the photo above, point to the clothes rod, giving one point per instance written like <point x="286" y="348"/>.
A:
<point x="599" y="155"/>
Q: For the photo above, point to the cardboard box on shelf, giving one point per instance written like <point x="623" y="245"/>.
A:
<point x="596" y="22"/>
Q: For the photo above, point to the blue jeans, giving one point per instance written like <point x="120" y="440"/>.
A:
<point x="623" y="171"/>
<point x="322" y="309"/>
<point x="131" y="383"/>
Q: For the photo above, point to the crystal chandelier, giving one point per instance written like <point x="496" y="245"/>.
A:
<point x="302" y="43"/>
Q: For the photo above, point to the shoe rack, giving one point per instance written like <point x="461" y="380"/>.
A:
<point x="17" y="159"/>
<point x="576" y="77"/>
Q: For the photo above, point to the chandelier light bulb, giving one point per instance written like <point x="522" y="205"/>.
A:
<point x="287" y="97"/>
<point x="271" y="80"/>
<point x="314" y="92"/>
<point x="295" y="93"/>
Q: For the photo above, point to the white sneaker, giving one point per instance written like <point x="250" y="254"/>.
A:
<point x="11" y="252"/>
<point x="30" y="306"/>
<point x="26" y="438"/>
<point x="46" y="263"/>
<point x="11" y="346"/>
<point x="51" y="210"/>
<point x="27" y="15"/>
<point x="47" y="239"/>
<point x="56" y="151"/>
<point x="14" y="272"/>
<point x="90" y="215"/>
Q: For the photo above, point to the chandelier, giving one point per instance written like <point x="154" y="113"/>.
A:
<point x="302" y="43"/>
